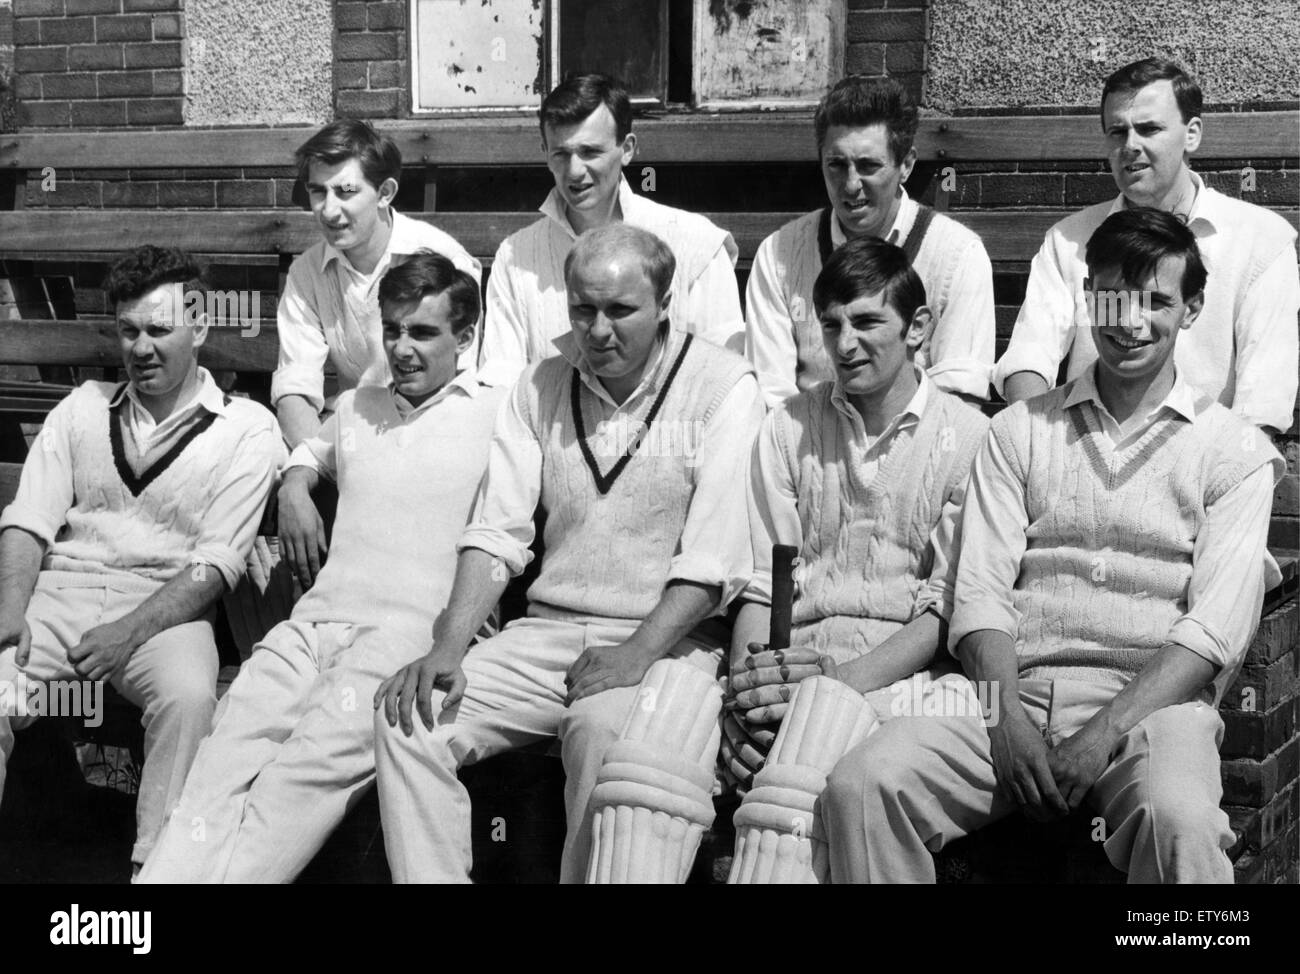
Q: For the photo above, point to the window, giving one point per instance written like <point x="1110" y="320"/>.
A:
<point x="499" y="55"/>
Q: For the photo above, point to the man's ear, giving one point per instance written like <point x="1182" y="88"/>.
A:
<point x="387" y="192"/>
<point x="918" y="332"/>
<point x="664" y="303"/>
<point x="1193" y="309"/>
<point x="628" y="148"/>
<point x="465" y="337"/>
<point x="201" y="324"/>
<point x="905" y="168"/>
<point x="1193" y="140"/>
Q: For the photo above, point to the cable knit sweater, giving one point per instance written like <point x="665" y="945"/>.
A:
<point x="866" y="546"/>
<point x="608" y="555"/>
<point x="1109" y="545"/>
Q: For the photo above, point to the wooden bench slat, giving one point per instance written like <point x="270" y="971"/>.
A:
<point x="1008" y="235"/>
<point x="93" y="342"/>
<point x="695" y="138"/>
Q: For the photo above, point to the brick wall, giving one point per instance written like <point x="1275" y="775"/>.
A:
<point x="99" y="63"/>
<point x="886" y="38"/>
<point x="371" y="58"/>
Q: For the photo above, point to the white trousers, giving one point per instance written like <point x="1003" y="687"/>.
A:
<point x="920" y="782"/>
<point x="172" y="678"/>
<point x="291" y="751"/>
<point x="515" y="696"/>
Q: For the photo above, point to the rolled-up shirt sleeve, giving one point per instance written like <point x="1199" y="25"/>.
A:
<point x="993" y="526"/>
<point x="319" y="452"/>
<point x="303" y="349"/>
<point x="235" y="509"/>
<point x="769" y="329"/>
<point x="1044" y="327"/>
<point x="45" y="489"/>
<point x="1227" y="584"/>
<point x="501" y="522"/>
<point x="1268" y="344"/>
<point x="936" y="592"/>
<point x="960" y="357"/>
<point x="713" y="300"/>
<point x="715" y="546"/>
<point x="505" y="340"/>
<point x="773" y="504"/>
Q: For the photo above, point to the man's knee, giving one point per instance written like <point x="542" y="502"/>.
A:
<point x="598" y="718"/>
<point x="882" y="765"/>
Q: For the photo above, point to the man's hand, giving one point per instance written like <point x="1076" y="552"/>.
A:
<point x="14" y="631"/>
<point x="415" y="682"/>
<point x="1079" y="760"/>
<point x="744" y="749"/>
<point x="1021" y="766"/>
<point x="102" y="651"/>
<point x="605" y="667"/>
<point x="762" y="682"/>
<point x="302" y="533"/>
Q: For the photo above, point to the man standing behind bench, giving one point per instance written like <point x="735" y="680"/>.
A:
<point x="329" y="310"/>
<point x="864" y="131"/>
<point x="292" y="746"/>
<point x="1243" y="350"/>
<point x="634" y="440"/>
<point x="587" y="137"/>
<point x="137" y="507"/>
<point x="1111" y="575"/>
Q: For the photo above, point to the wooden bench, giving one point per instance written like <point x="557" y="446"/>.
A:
<point x="267" y="239"/>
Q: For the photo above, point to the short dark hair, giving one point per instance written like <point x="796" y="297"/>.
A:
<point x="859" y="101"/>
<point x="1136" y="240"/>
<point x="425" y="273"/>
<point x="869" y="265"/>
<point x="351" y="138"/>
<point x="1139" y="74"/>
<point x="657" y="260"/>
<point x="578" y="95"/>
<point x="139" y="271"/>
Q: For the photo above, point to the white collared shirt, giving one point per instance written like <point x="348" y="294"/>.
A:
<point x="330" y="311"/>
<point x="528" y="307"/>
<point x="1241" y="349"/>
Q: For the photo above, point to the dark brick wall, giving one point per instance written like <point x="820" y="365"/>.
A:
<point x="886" y="38"/>
<point x="371" y="59"/>
<point x="99" y="63"/>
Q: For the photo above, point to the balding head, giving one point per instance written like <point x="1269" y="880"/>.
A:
<point x="618" y="242"/>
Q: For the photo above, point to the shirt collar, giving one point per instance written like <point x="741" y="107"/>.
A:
<point x="898" y="230"/>
<point x="1208" y="205"/>
<point x="1181" y="397"/>
<point x="913" y="411"/>
<point x="466" y="382"/>
<point x="665" y="352"/>
<point x="403" y="241"/>
<point x="208" y="395"/>
<point x="553" y="207"/>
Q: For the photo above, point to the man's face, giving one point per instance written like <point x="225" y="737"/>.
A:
<point x="1146" y="139"/>
<point x="587" y="159"/>
<point x="345" y="204"/>
<point x="614" y="314"/>
<point x="862" y="179"/>
<point x="867" y="340"/>
<point x="421" y="347"/>
<point x="1136" y="323"/>
<point x="159" y="347"/>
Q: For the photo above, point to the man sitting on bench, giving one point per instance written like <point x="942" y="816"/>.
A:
<point x="329" y="310"/>
<point x="292" y="746"/>
<point x="634" y="440"/>
<point x="864" y="139"/>
<point x="1243" y="351"/>
<point x="1111" y="577"/>
<point x="865" y="476"/>
<point x="587" y="137"/>
<point x="137" y="508"/>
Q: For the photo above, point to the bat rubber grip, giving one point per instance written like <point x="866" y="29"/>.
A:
<point x="783" y="558"/>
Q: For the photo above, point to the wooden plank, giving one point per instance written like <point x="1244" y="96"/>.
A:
<point x="695" y="138"/>
<point x="93" y="342"/>
<point x="1009" y="235"/>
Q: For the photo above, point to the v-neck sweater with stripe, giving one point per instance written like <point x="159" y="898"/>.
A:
<point x="1109" y="543"/>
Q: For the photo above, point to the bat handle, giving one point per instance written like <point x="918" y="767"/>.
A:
<point x="783" y="559"/>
